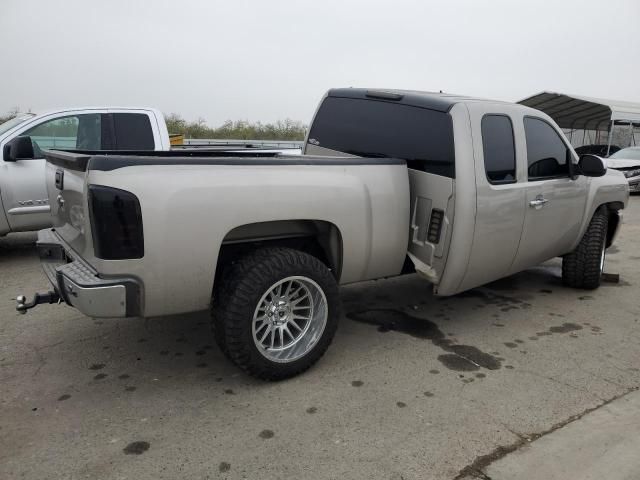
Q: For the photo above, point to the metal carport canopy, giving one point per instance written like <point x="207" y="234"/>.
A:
<point x="584" y="113"/>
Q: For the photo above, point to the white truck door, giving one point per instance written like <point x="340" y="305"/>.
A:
<point x="554" y="201"/>
<point x="24" y="192"/>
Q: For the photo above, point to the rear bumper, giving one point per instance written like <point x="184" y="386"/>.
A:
<point x="80" y="286"/>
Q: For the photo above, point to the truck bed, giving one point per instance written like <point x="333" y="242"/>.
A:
<point x="194" y="203"/>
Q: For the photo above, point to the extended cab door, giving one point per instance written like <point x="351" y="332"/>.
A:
<point x="501" y="183"/>
<point x="555" y="201"/>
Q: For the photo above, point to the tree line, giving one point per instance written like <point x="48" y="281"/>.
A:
<point x="237" y="130"/>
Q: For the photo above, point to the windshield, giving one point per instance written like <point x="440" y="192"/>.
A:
<point x="630" y="153"/>
<point x="15" y="121"/>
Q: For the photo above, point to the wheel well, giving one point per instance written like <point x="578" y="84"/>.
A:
<point x="611" y="209"/>
<point x="316" y="237"/>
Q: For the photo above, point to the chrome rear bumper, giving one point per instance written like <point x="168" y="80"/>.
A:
<point x="80" y="286"/>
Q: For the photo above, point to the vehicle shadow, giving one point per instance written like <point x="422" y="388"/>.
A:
<point x="18" y="244"/>
<point x="180" y="350"/>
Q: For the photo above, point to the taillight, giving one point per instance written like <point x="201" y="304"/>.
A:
<point x="116" y="223"/>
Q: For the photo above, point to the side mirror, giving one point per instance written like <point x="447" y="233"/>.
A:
<point x="591" y="166"/>
<point x="20" y="148"/>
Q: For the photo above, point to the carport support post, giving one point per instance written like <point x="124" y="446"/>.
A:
<point x="610" y="135"/>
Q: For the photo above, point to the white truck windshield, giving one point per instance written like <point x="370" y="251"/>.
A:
<point x="15" y="121"/>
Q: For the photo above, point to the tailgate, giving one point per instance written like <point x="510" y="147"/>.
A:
<point x="66" y="186"/>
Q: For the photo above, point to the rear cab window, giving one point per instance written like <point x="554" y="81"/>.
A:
<point x="133" y="131"/>
<point x="375" y="128"/>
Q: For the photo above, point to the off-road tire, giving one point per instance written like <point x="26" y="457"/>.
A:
<point x="582" y="268"/>
<point x="241" y="287"/>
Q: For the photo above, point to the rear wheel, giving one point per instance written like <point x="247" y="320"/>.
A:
<point x="276" y="312"/>
<point x="583" y="267"/>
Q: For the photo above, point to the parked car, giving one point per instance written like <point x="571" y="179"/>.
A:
<point x="24" y="203"/>
<point x="463" y="191"/>
<point x="600" y="149"/>
<point x="627" y="161"/>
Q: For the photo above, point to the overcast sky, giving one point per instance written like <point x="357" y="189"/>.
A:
<point x="268" y="60"/>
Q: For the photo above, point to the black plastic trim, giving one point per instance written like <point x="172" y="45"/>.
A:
<point x="429" y="100"/>
<point x="106" y="162"/>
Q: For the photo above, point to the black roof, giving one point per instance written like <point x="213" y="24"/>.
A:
<point x="441" y="102"/>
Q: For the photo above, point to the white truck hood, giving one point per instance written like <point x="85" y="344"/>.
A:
<point x="620" y="163"/>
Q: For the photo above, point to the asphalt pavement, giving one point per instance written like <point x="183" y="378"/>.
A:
<point x="155" y="399"/>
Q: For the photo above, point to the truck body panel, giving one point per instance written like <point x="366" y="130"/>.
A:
<point x="210" y="201"/>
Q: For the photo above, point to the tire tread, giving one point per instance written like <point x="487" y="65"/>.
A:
<point x="581" y="268"/>
<point x="240" y="287"/>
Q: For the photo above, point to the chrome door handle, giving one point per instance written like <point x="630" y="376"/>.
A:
<point x="538" y="203"/>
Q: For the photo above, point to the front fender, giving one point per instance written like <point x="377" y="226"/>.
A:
<point x="610" y="189"/>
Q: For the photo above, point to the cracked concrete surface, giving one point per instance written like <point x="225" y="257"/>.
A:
<point x="602" y="443"/>
<point x="84" y="398"/>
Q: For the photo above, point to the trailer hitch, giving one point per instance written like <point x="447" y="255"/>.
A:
<point x="38" y="299"/>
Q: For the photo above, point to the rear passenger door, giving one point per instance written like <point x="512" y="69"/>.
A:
<point x="555" y="200"/>
<point x="500" y="192"/>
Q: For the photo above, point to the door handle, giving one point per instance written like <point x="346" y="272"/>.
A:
<point x="538" y="202"/>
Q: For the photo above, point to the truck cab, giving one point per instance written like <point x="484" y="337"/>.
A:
<point x="495" y="187"/>
<point x="24" y="204"/>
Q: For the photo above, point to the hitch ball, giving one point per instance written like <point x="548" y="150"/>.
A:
<point x="39" y="298"/>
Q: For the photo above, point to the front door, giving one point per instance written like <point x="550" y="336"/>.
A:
<point x="554" y="202"/>
<point x="24" y="189"/>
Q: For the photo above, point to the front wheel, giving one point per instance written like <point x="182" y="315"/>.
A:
<point x="583" y="267"/>
<point x="276" y="312"/>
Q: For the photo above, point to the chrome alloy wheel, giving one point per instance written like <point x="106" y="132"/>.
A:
<point x="289" y="319"/>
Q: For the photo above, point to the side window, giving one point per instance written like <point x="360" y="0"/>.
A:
<point x="133" y="131"/>
<point x="547" y="154"/>
<point x="73" y="132"/>
<point x="499" y="149"/>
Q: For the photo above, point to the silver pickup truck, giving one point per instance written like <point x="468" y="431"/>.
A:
<point x="460" y="190"/>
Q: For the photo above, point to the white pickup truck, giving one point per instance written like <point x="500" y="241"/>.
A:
<point x="24" y="203"/>
<point x="461" y="190"/>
